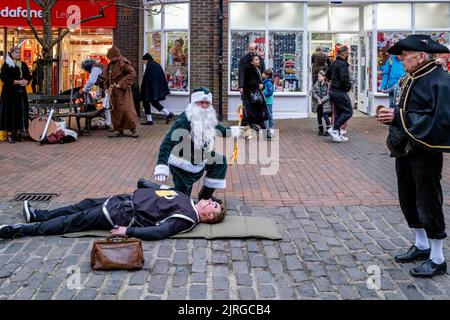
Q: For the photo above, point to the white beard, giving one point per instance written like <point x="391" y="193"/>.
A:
<point x="203" y="126"/>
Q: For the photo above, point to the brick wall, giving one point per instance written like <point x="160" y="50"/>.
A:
<point x="128" y="32"/>
<point x="204" y="48"/>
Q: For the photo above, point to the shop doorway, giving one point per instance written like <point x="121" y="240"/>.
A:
<point x="82" y="45"/>
<point x="330" y="43"/>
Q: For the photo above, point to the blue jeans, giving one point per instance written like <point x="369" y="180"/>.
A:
<point x="269" y="109"/>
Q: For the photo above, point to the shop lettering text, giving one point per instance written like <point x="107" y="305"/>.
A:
<point x="19" y="12"/>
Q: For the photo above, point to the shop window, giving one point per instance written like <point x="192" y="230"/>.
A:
<point x="176" y="16"/>
<point x="443" y="37"/>
<point x="285" y="53"/>
<point x="344" y="18"/>
<point x="154" y="20"/>
<point x="394" y="16"/>
<point x="177" y="57"/>
<point x="240" y="41"/>
<point x="285" y="15"/>
<point x="385" y="40"/>
<point x="440" y="13"/>
<point x="318" y="18"/>
<point x="245" y="15"/>
<point x="368" y="17"/>
<point x="154" y="45"/>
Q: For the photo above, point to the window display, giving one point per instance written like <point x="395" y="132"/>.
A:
<point x="177" y="60"/>
<point x="285" y="53"/>
<point x="154" y="45"/>
<point x="385" y="40"/>
<point x="239" y="48"/>
<point x="167" y="40"/>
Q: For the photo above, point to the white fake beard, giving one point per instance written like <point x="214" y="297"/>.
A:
<point x="203" y="126"/>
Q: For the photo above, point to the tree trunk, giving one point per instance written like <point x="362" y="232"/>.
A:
<point x="47" y="50"/>
<point x="48" y="71"/>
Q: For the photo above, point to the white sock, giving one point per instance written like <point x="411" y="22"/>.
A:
<point x="166" y="112"/>
<point x="437" y="254"/>
<point x="108" y="117"/>
<point x="421" y="239"/>
<point x="149" y="118"/>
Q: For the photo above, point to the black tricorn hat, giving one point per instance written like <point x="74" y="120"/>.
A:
<point x="147" y="57"/>
<point x="417" y="42"/>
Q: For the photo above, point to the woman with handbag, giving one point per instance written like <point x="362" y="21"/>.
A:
<point x="255" y="108"/>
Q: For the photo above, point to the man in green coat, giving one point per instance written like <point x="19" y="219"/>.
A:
<point x="187" y="151"/>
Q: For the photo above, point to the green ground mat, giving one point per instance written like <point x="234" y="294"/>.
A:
<point x="231" y="227"/>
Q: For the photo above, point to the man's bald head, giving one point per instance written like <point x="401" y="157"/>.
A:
<point x="252" y="48"/>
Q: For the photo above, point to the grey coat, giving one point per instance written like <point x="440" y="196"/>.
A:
<point x="320" y="91"/>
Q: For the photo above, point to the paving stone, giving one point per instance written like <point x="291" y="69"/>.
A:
<point x="246" y="293"/>
<point x="139" y="278"/>
<point x="266" y="291"/>
<point x="198" y="292"/>
<point x="220" y="283"/>
<point x="243" y="279"/>
<point x="198" y="277"/>
<point x="177" y="294"/>
<point x="157" y="284"/>
<point x="131" y="294"/>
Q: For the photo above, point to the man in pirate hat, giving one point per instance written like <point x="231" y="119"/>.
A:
<point x="187" y="151"/>
<point x="418" y="135"/>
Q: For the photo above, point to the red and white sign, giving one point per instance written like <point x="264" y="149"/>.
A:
<point x="65" y="14"/>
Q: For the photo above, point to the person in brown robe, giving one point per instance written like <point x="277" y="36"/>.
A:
<point x="120" y="75"/>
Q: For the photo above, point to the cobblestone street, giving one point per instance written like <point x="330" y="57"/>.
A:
<point x="335" y="206"/>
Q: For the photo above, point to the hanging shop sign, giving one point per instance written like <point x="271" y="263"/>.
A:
<point x="65" y="13"/>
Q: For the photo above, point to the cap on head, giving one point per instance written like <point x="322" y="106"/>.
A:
<point x="87" y="64"/>
<point x="201" y="94"/>
<point x="147" y="57"/>
<point x="418" y="42"/>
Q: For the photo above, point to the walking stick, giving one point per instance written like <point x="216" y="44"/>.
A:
<point x="234" y="157"/>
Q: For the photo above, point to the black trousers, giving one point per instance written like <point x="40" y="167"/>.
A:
<point x="156" y="104"/>
<point x="83" y="216"/>
<point x="419" y="191"/>
<point x="320" y="115"/>
<point x="343" y="110"/>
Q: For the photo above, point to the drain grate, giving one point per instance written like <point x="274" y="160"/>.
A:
<point x="35" y="197"/>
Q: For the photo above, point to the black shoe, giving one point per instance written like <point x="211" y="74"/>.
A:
<point x="19" y="137"/>
<point x="169" y="117"/>
<point x="269" y="135"/>
<point x="413" y="254"/>
<point x="143" y="183"/>
<point x="28" y="212"/>
<point x="205" y="193"/>
<point x="148" y="123"/>
<point x="9" y="231"/>
<point x="429" y="269"/>
<point x="320" y="133"/>
<point x="11" y="139"/>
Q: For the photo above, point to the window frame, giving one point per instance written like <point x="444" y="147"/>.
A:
<point x="163" y="31"/>
<point x="266" y="30"/>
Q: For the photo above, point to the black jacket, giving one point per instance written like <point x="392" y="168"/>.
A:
<point x="159" y="214"/>
<point x="424" y="108"/>
<point x="14" y="99"/>
<point x="339" y="75"/>
<point x="253" y="113"/>
<point x="244" y="63"/>
<point x="154" y="85"/>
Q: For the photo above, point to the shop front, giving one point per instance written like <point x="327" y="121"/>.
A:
<point x="287" y="33"/>
<point x="90" y="40"/>
<point x="167" y="40"/>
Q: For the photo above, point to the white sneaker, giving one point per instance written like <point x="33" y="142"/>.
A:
<point x="335" y="135"/>
<point x="344" y="138"/>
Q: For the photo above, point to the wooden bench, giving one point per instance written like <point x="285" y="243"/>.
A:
<point x="65" y="108"/>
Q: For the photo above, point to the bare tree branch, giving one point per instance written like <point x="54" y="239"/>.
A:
<point x="36" y="34"/>
<point x="67" y="31"/>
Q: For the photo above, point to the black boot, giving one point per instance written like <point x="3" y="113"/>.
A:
<point x="142" y="183"/>
<point x="206" y="194"/>
<point x="320" y="133"/>
<point x="326" y="134"/>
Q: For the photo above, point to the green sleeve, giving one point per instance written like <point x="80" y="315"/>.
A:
<point x="168" y="144"/>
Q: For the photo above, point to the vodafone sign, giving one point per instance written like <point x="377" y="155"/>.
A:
<point x="65" y="13"/>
